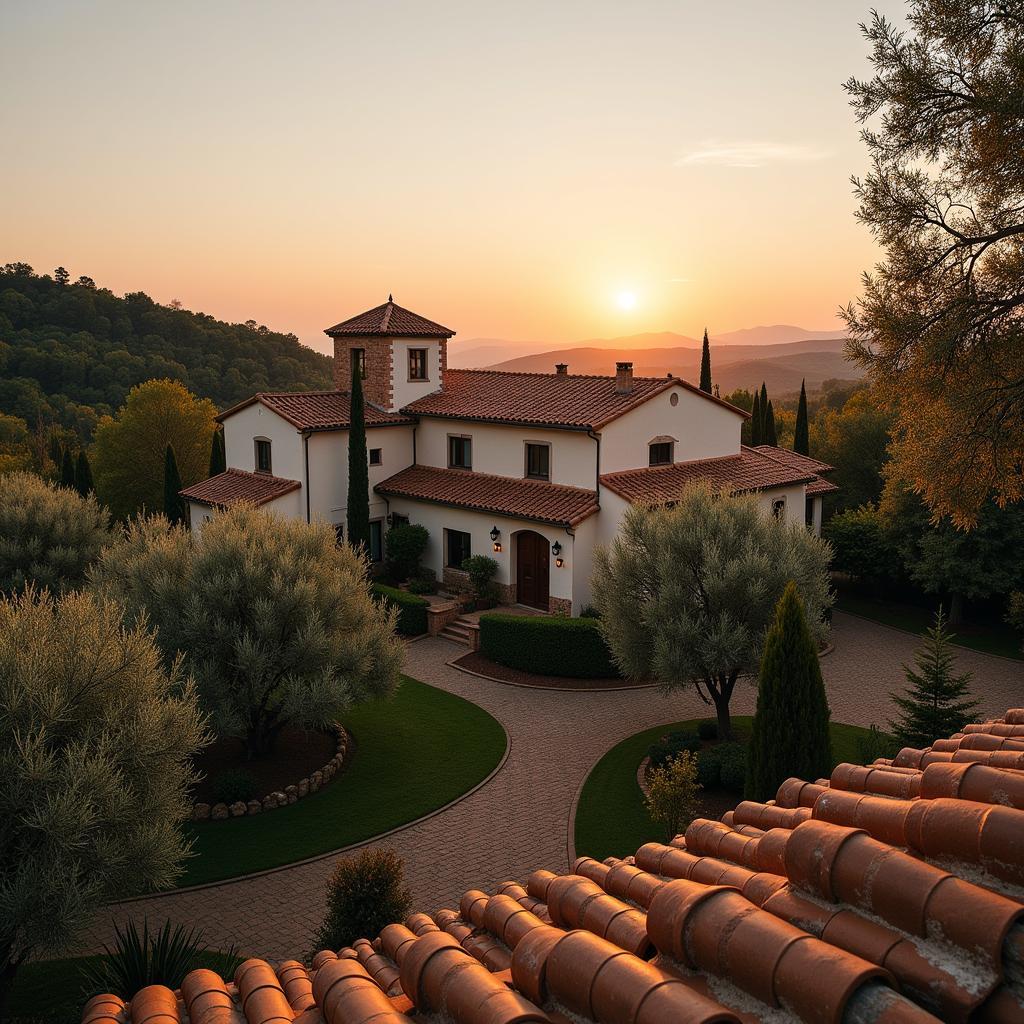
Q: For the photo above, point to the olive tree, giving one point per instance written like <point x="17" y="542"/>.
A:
<point x="687" y="592"/>
<point x="96" y="737"/>
<point x="273" y="617"/>
<point x="49" y="535"/>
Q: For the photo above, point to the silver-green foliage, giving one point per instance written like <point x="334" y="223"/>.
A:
<point x="687" y="593"/>
<point x="96" y="738"/>
<point x="49" y="535"/>
<point x="273" y="617"/>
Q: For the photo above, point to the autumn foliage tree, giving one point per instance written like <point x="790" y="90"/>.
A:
<point x="938" y="325"/>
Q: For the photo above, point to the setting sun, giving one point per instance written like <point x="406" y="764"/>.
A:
<point x="625" y="300"/>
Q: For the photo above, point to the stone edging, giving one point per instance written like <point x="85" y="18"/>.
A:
<point x="641" y="776"/>
<point x="552" y="689"/>
<point x="280" y="798"/>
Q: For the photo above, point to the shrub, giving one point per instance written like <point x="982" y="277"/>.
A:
<point x="709" y="768"/>
<point x="673" y="744"/>
<point x="555" y="645"/>
<point x="672" y="799"/>
<point x="235" y="784"/>
<point x="424" y="582"/>
<point x="875" y="745"/>
<point x="589" y="611"/>
<point x="404" y="546"/>
<point x="708" y="730"/>
<point x="732" y="757"/>
<point x="482" y="570"/>
<point x="412" y="609"/>
<point x="49" y="535"/>
<point x="364" y="893"/>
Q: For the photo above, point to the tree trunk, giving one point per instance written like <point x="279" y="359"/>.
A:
<point x="7" y="972"/>
<point x="724" y="719"/>
<point x="956" y="609"/>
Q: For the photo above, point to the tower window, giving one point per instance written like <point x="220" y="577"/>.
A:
<point x="417" y="364"/>
<point x="359" y="362"/>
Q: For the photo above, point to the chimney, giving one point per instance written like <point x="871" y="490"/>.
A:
<point x="623" y="378"/>
<point x="562" y="369"/>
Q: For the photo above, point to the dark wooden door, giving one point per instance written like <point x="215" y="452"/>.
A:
<point x="532" y="570"/>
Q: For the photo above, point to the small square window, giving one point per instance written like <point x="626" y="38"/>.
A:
<point x="375" y="457"/>
<point x="417" y="364"/>
<point x="262" y="454"/>
<point x="457" y="548"/>
<point x="538" y="461"/>
<point x="460" y="452"/>
<point x="660" y="453"/>
<point x="359" y="362"/>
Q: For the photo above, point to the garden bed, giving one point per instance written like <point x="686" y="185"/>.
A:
<point x="481" y="665"/>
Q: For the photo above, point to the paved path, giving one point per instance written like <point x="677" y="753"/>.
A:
<point x="519" y="820"/>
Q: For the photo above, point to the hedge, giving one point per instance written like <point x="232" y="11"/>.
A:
<point x="547" y="645"/>
<point x="412" y="610"/>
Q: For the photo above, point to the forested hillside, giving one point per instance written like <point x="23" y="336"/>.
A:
<point x="71" y="351"/>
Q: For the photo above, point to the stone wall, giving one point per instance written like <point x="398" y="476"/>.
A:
<point x="377" y="380"/>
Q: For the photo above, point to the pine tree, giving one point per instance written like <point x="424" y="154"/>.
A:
<point x="770" y="436"/>
<point x="705" y="365"/>
<point x="755" y="421"/>
<point x="932" y="705"/>
<point x="218" y="462"/>
<point x="790" y="734"/>
<point x="67" y="469"/>
<point x="801" y="441"/>
<point x="358" y="468"/>
<point x="174" y="504"/>
<point x="83" y="475"/>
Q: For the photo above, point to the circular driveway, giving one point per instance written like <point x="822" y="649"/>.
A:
<point x="518" y="821"/>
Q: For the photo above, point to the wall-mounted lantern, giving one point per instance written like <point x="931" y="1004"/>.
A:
<point x="559" y="562"/>
<point x="495" y="534"/>
<point x="556" y="549"/>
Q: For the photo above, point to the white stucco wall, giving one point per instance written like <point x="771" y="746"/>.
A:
<point x="702" y="429"/>
<point x="501" y="449"/>
<point x="257" y="420"/>
<point x="404" y="390"/>
<point x="288" y="506"/>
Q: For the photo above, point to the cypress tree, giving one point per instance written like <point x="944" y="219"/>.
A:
<point x="770" y="436"/>
<point x="755" y="420"/>
<point x="790" y="734"/>
<point x="705" y="365"/>
<point x="83" y="475"/>
<point x="801" y="441"/>
<point x="932" y="705"/>
<point x="762" y="427"/>
<point x="174" y="504"/>
<point x="218" y="462"/>
<point x="358" y="511"/>
<point x="67" y="469"/>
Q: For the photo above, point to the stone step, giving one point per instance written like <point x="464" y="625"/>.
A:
<point x="458" y="631"/>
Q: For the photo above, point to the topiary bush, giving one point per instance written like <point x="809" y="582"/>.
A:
<point x="732" y="759"/>
<point x="234" y="784"/>
<point x="481" y="570"/>
<point x="675" y="743"/>
<point x="555" y="646"/>
<point x="708" y="729"/>
<point x="404" y="546"/>
<point x="412" y="609"/>
<point x="709" y="768"/>
<point x="424" y="582"/>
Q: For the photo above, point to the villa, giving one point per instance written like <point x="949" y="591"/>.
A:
<point x="532" y="469"/>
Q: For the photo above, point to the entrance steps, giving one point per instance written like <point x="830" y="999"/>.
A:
<point x="458" y="631"/>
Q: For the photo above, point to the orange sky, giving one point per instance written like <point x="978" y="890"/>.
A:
<point x="507" y="169"/>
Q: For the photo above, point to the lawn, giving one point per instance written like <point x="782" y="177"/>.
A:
<point x="413" y="754"/>
<point x="611" y="820"/>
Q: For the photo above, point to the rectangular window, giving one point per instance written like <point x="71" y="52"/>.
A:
<point x="460" y="452"/>
<point x="661" y="453"/>
<point x="538" y="461"/>
<point x="457" y="548"/>
<point x="359" y="362"/>
<point x="779" y="508"/>
<point x="375" y="457"/>
<point x="417" y="364"/>
<point x="262" y="454"/>
<point x="376" y="540"/>
<point x="397" y="519"/>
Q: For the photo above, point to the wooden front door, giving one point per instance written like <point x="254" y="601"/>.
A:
<point x="532" y="570"/>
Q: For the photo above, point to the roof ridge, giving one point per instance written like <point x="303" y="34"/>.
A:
<point x="386" y="319"/>
<point x="560" y="376"/>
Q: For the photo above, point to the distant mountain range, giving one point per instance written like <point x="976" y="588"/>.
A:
<point x="781" y="356"/>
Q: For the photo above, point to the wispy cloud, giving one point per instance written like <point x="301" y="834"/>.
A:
<point x="721" y="153"/>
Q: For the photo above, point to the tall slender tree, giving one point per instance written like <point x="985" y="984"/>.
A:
<point x="762" y="428"/>
<point x="790" y="733"/>
<point x="801" y="440"/>
<point x="705" y="365"/>
<point x="174" y="504"/>
<point x="67" y="469"/>
<point x="770" y="435"/>
<point x="218" y="461"/>
<point x="83" y="474"/>
<point x="358" y="511"/>
<point x="755" y="420"/>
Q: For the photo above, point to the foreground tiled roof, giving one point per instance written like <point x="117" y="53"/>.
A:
<point x="889" y="893"/>
<point x="793" y="459"/>
<point x="521" y="499"/>
<point x="391" y="320"/>
<point x="750" y="470"/>
<point x="317" y="410"/>
<point x="542" y="399"/>
<point x="235" y="485"/>
<point x="820" y="486"/>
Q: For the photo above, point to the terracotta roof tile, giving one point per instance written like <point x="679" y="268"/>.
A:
<point x="317" y="410"/>
<point x="573" y="401"/>
<point x="886" y="894"/>
<point x="390" y="320"/>
<point x="506" y="496"/>
<point x="793" y="459"/>
<point x="748" y="471"/>
<point x="235" y="485"/>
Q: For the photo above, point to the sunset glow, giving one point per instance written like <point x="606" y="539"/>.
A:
<point x="625" y="300"/>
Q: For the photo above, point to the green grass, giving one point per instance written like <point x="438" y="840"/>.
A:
<point x="413" y="754"/>
<point x="991" y="638"/>
<point x="611" y="820"/>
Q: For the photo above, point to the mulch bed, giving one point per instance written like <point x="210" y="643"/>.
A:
<point x="474" y="661"/>
<point x="296" y="755"/>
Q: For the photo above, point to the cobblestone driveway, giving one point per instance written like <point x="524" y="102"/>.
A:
<point x="519" y="820"/>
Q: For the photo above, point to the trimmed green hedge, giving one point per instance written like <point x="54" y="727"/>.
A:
<point x="547" y="645"/>
<point x="412" y="610"/>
